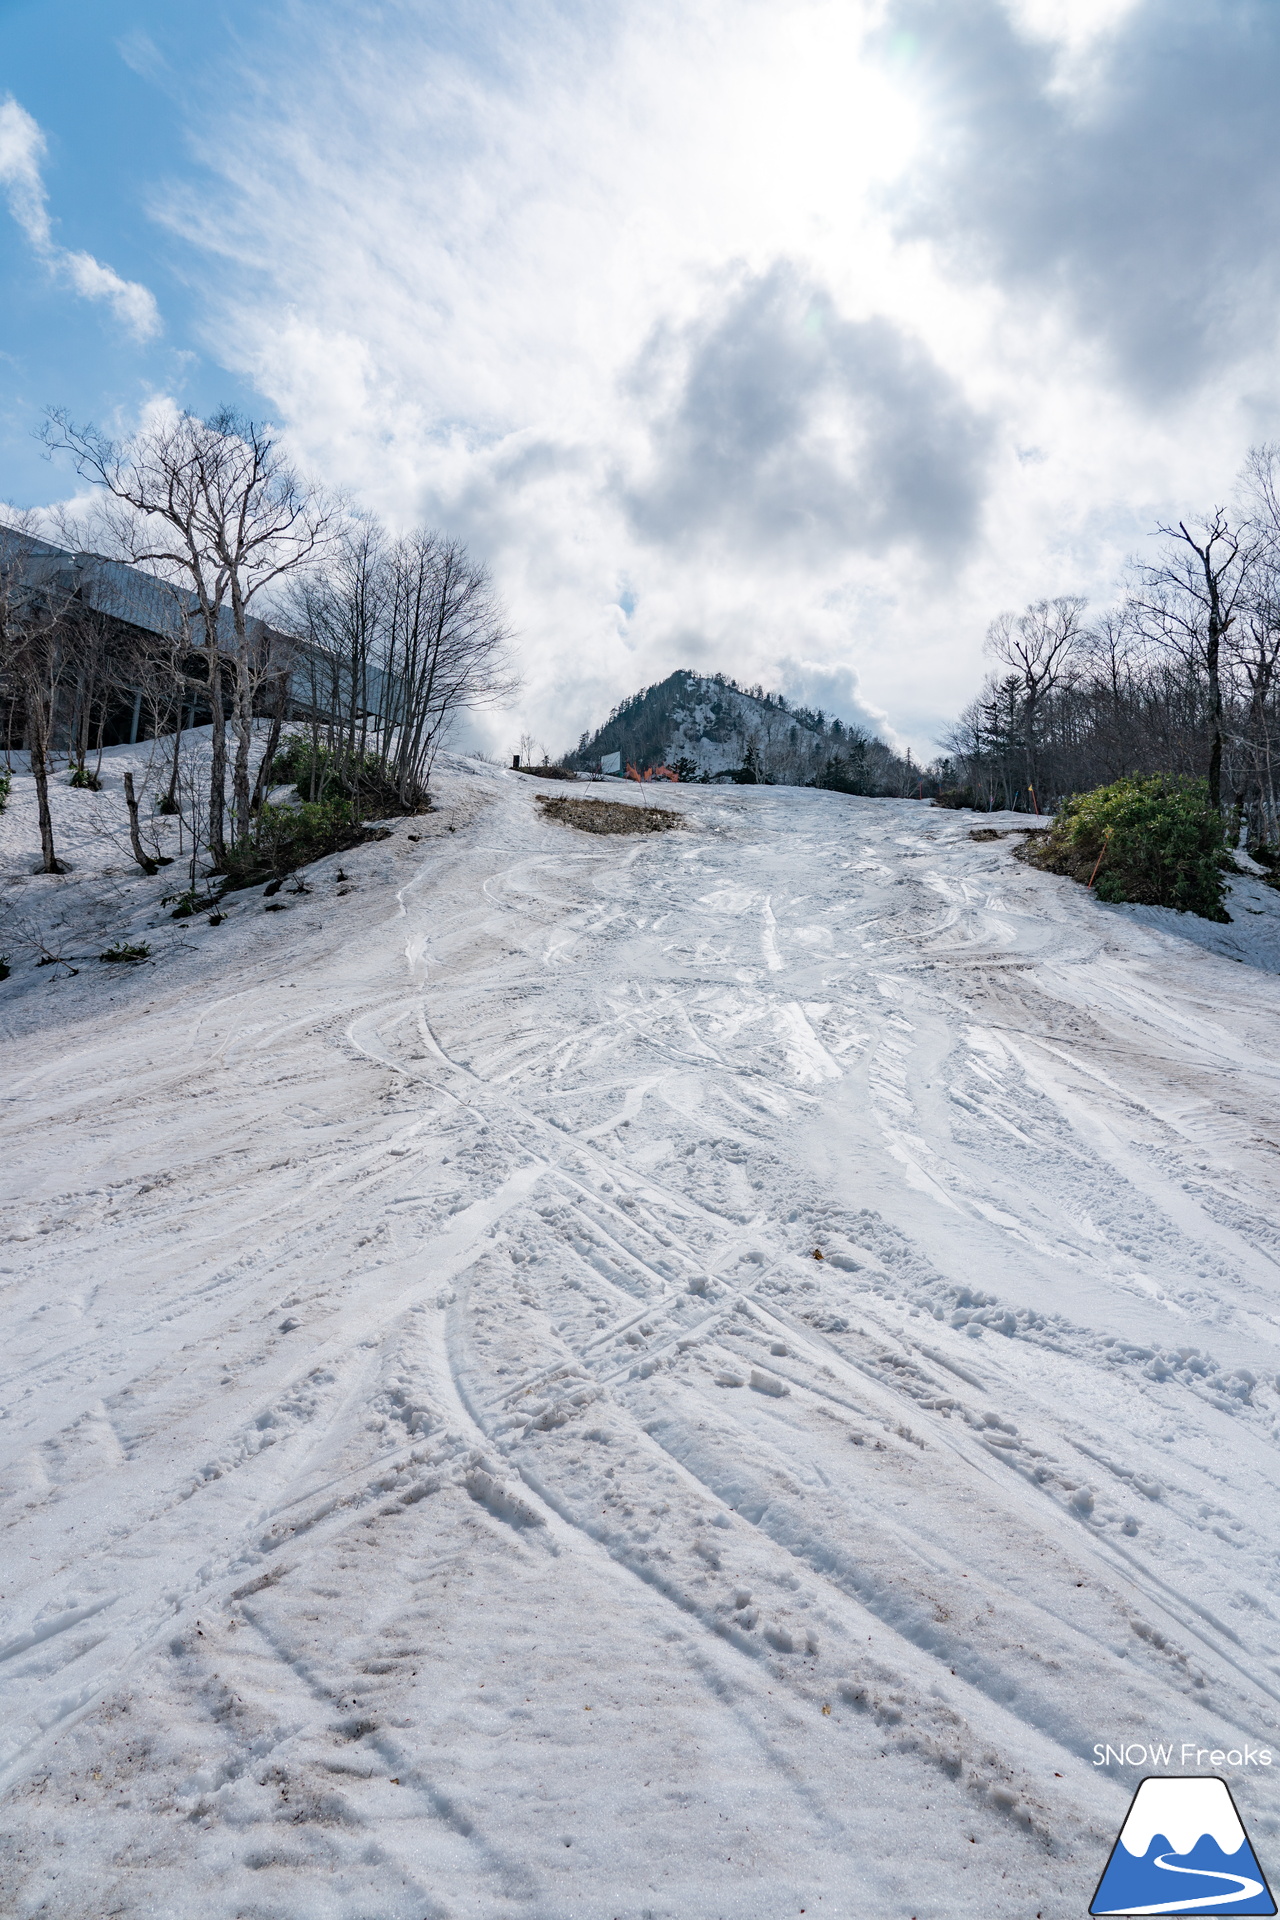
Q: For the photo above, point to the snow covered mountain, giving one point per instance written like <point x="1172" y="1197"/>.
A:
<point x="707" y="727"/>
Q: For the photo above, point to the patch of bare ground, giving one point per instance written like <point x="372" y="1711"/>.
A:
<point x="608" y="816"/>
<point x="1041" y="850"/>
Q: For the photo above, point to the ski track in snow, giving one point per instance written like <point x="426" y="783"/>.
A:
<point x="438" y="1477"/>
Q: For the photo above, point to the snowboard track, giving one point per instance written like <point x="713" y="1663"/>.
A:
<point x="547" y="1212"/>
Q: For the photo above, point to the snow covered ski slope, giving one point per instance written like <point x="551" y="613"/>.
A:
<point x="690" y="1376"/>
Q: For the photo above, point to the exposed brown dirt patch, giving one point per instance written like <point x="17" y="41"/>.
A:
<point x="608" y="816"/>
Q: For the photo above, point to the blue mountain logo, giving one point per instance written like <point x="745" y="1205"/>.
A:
<point x="1183" y="1850"/>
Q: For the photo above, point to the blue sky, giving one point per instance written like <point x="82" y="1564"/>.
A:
<point x="787" y="337"/>
<point x="106" y="86"/>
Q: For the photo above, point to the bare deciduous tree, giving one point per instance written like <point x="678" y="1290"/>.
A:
<point x="1182" y="678"/>
<point x="1037" y="646"/>
<point x="1257" y="641"/>
<point x="1189" y="598"/>
<point x="403" y="636"/>
<point x="215" y="507"/>
<point x="36" y="660"/>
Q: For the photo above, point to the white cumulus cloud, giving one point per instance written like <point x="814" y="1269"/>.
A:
<point x="745" y="333"/>
<point x="22" y="146"/>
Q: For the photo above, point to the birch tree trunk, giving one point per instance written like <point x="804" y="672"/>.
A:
<point x="38" y="738"/>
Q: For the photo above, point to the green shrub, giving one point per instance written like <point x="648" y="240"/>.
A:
<point x="5" y="784"/>
<point x="320" y="775"/>
<point x="285" y="838"/>
<point x="121" y="952"/>
<point x="81" y="777"/>
<point x="1157" y="842"/>
<point x="189" y="902"/>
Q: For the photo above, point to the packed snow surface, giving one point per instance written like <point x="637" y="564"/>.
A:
<point x="689" y="1376"/>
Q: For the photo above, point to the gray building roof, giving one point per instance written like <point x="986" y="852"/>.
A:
<point x="144" y="601"/>
<point x="129" y="594"/>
